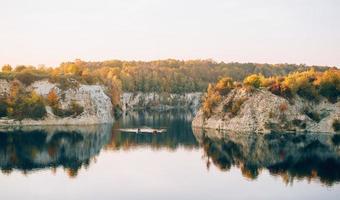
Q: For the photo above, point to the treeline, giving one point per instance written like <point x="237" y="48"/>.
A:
<point x="162" y="76"/>
<point x="311" y="85"/>
<point x="171" y="76"/>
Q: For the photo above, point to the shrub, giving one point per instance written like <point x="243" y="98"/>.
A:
<point x="6" y="68"/>
<point x="280" y="89"/>
<point x="286" y="92"/>
<point x="224" y="86"/>
<point x="302" y="84"/>
<point x="275" y="88"/>
<point x="53" y="100"/>
<point x="329" y="85"/>
<point x="74" y="110"/>
<point x="308" y="92"/>
<point x="234" y="106"/>
<point x="20" y="105"/>
<point x="28" y="106"/>
<point x="237" y="105"/>
<point x="37" y="111"/>
<point x="61" y="112"/>
<point x="299" y="123"/>
<point x="254" y="80"/>
<point x="27" y="77"/>
<point x="20" y="68"/>
<point x="309" y="84"/>
<point x="209" y="103"/>
<point x="34" y="106"/>
<point x="211" y="100"/>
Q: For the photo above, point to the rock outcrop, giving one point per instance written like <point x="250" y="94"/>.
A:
<point x="160" y="101"/>
<point x="4" y="87"/>
<point x="97" y="105"/>
<point x="262" y="111"/>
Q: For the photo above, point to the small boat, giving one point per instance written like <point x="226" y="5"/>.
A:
<point x="142" y="130"/>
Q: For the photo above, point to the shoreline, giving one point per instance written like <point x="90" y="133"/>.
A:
<point x="53" y="122"/>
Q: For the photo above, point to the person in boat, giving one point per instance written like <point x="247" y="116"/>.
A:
<point x="138" y="130"/>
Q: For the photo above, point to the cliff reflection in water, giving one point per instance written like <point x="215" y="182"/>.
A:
<point x="50" y="147"/>
<point x="178" y="125"/>
<point x="74" y="147"/>
<point x="290" y="156"/>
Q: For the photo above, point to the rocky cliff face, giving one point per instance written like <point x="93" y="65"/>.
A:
<point x="4" y="87"/>
<point x="97" y="105"/>
<point x="262" y="111"/>
<point x="160" y="102"/>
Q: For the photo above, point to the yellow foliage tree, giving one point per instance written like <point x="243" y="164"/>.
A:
<point x="254" y="80"/>
<point x="6" y="68"/>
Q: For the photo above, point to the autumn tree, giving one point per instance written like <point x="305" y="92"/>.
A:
<point x="254" y="80"/>
<point x="329" y="84"/>
<point x="224" y="86"/>
<point x="53" y="98"/>
<point x="211" y="100"/>
<point x="15" y="90"/>
<point x="6" y="68"/>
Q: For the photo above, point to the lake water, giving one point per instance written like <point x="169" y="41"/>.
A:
<point x="100" y="162"/>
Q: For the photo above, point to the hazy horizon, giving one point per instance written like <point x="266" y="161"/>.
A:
<point x="151" y="60"/>
<point x="50" y="32"/>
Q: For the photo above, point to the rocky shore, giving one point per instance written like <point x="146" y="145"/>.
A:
<point x="97" y="106"/>
<point x="261" y="111"/>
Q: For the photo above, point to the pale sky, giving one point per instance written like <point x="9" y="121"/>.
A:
<point x="265" y="31"/>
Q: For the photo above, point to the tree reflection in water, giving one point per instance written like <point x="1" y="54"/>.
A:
<point x="311" y="156"/>
<point x="289" y="156"/>
<point x="178" y="125"/>
<point x="74" y="147"/>
<point x="34" y="148"/>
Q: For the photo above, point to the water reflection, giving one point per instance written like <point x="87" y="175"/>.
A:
<point x="290" y="156"/>
<point x="177" y="124"/>
<point x="34" y="148"/>
<point x="72" y="147"/>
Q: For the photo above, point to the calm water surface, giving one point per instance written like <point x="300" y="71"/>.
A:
<point x="100" y="162"/>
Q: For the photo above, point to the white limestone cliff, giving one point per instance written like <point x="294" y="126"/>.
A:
<point x="159" y="101"/>
<point x="262" y="111"/>
<point x="97" y="105"/>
